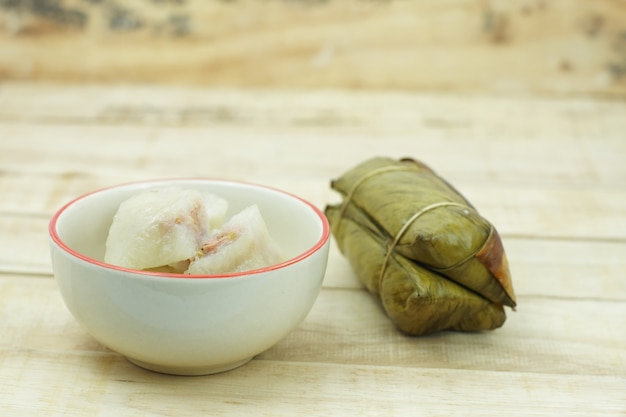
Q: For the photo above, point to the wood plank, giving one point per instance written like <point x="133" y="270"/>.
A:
<point x="329" y="108"/>
<point x="568" y="346"/>
<point x="467" y="139"/>
<point x="557" y="268"/>
<point x="522" y="211"/>
<point x="306" y="154"/>
<point x="548" y="334"/>
<point x="315" y="389"/>
<point x="114" y="385"/>
<point x="57" y="172"/>
<point x="515" y="46"/>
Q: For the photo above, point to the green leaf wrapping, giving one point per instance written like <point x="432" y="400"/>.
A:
<point x="418" y="245"/>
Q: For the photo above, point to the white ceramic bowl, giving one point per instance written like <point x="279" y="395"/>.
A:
<point x="189" y="325"/>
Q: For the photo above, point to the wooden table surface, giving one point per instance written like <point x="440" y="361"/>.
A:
<point x="550" y="173"/>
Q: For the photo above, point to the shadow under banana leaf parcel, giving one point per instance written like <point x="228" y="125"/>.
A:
<point x="421" y="248"/>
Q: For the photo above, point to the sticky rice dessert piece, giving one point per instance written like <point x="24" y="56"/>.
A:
<point x="242" y="244"/>
<point x="163" y="227"/>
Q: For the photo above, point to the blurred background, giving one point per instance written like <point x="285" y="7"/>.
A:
<point x="553" y="47"/>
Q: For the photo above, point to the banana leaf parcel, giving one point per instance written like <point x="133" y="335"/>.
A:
<point x="418" y="245"/>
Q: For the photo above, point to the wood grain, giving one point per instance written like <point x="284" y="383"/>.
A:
<point x="554" y="139"/>
<point x="548" y="172"/>
<point x="555" y="47"/>
<point x="326" y="366"/>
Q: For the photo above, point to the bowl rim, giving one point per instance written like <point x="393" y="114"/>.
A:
<point x="54" y="236"/>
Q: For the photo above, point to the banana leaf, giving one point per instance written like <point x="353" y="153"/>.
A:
<point x="421" y="247"/>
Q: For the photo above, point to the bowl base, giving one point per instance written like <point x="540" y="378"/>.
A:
<point x="189" y="371"/>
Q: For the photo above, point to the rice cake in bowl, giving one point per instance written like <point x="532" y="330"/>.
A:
<point x="189" y="324"/>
